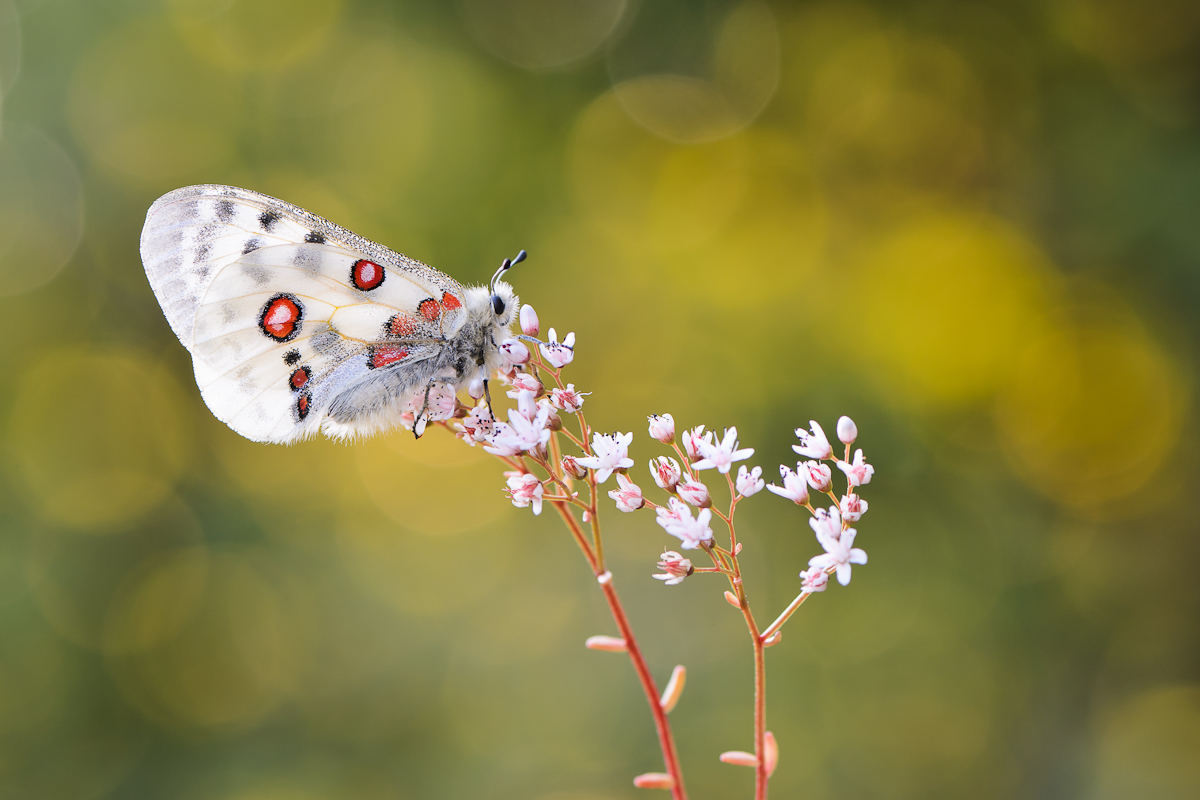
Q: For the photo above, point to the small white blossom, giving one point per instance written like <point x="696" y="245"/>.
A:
<point x="572" y="468"/>
<point x="515" y="351"/>
<point x="558" y="353"/>
<point x="675" y="568"/>
<point x="721" y="456"/>
<point x="818" y="475"/>
<point x="839" y="553"/>
<point x="475" y="389"/>
<point x="662" y="427"/>
<point x="529" y="320"/>
<point x="675" y="511"/>
<point x="813" y="445"/>
<point x="749" y="483"/>
<point x="567" y="399"/>
<point x="628" y="496"/>
<point x="525" y="490"/>
<point x="477" y="425"/>
<point x="814" y="580"/>
<point x="526" y="403"/>
<point x="692" y="440"/>
<point x="688" y="530"/>
<point x="525" y="382"/>
<point x="853" y="507"/>
<point x="826" y="523"/>
<point x="795" y="487"/>
<point x="666" y="472"/>
<point x="611" y="454"/>
<point x="847" y="431"/>
<point x="500" y="442"/>
<point x="693" y="492"/>
<point x="858" y="472"/>
<point x="522" y="434"/>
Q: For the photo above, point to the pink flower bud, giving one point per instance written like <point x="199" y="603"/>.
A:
<point x="515" y="351"/>
<point x="609" y="644"/>
<point x="525" y="382"/>
<point x="572" y="467"/>
<point x="674" y="568"/>
<point x="654" y="780"/>
<point x="662" y="427"/>
<point x="693" y="492"/>
<point x="666" y="472"/>
<point x="853" y="507"/>
<point x="693" y="439"/>
<point x="815" y="579"/>
<point x="731" y="598"/>
<point x="774" y="639"/>
<point x="628" y="495"/>
<point x="567" y="399"/>
<point x="847" y="431"/>
<point x="740" y="758"/>
<point x="772" y="754"/>
<point x="671" y="694"/>
<point x="818" y="475"/>
<point x="529" y="320"/>
<point x="475" y="389"/>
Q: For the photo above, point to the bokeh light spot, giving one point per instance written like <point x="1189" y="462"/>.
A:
<point x="1148" y="745"/>
<point x="97" y="438"/>
<point x="255" y="34"/>
<point x="541" y="34"/>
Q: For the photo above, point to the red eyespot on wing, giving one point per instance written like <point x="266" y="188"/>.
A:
<point x="450" y="302"/>
<point x="302" y="405"/>
<point x="382" y="355"/>
<point x="429" y="309"/>
<point x="400" y="325"/>
<point x="280" y="317"/>
<point x="299" y="378"/>
<point x="366" y="275"/>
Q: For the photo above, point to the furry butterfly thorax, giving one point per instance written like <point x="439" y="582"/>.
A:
<point x="297" y="325"/>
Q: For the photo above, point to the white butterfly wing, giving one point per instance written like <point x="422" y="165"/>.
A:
<point x="284" y="311"/>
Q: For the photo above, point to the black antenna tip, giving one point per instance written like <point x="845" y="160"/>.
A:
<point x="520" y="257"/>
<point x="505" y="264"/>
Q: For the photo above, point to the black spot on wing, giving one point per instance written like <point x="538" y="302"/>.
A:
<point x="250" y="246"/>
<point x="315" y="237"/>
<point x="225" y="210"/>
<point x="291" y="357"/>
<point x="267" y="220"/>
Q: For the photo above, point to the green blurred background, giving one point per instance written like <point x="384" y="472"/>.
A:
<point x="974" y="227"/>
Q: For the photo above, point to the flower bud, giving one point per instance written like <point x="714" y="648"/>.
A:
<point x="740" y="758"/>
<point x="674" y="568"/>
<point x="693" y="492"/>
<point x="671" y="694"/>
<point x="662" y="427"/>
<point x="731" y="598"/>
<point x="525" y="382"/>
<point x="567" y="399"/>
<point x="818" y="475"/>
<point x="654" y="780"/>
<point x="628" y="495"/>
<point x="772" y="754"/>
<point x="515" y="351"/>
<point x="475" y="389"/>
<point x="572" y="467"/>
<point x="666" y="472"/>
<point x="692" y="440"/>
<point x="853" y="507"/>
<point x="774" y="639"/>
<point x="529" y="320"/>
<point x="847" y="431"/>
<point x="610" y="644"/>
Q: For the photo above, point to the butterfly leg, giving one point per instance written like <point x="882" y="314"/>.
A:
<point x="422" y="419"/>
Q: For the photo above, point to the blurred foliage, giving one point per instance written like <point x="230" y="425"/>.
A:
<point x="971" y="226"/>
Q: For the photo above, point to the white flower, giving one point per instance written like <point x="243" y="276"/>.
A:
<point x="675" y="568"/>
<point x="522" y="434"/>
<point x="662" y="427"/>
<point x="515" y="351"/>
<point x="814" y="579"/>
<point x="666" y="472"/>
<point x="571" y="467"/>
<point x="567" y="399"/>
<point x="750" y="483"/>
<point x="853" y="507"/>
<point x="794" y="488"/>
<point x="675" y="511"/>
<point x="558" y="353"/>
<point x="526" y="402"/>
<point x="525" y="489"/>
<point x="826" y="523"/>
<point x="813" y="445"/>
<point x="525" y="382"/>
<point x="692" y="440"/>
<point x="721" y="456"/>
<point x="688" y="530"/>
<point x="818" y="475"/>
<point x="529" y="320"/>
<point x="693" y="492"/>
<point x="476" y="426"/>
<point x="611" y="454"/>
<point x="847" y="431"/>
<point x="839" y="553"/>
<point x="629" y="496"/>
<point x="500" y="442"/>
<point x="858" y="472"/>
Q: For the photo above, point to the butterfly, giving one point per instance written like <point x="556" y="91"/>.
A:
<point x="297" y="325"/>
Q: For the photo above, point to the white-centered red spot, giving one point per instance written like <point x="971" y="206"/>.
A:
<point x="280" y="317"/>
<point x="429" y="309"/>
<point x="450" y="302"/>
<point x="366" y="275"/>
<point x="302" y="405"/>
<point x="384" y="354"/>
<point x="299" y="378"/>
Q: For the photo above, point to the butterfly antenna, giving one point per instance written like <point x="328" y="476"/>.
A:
<point x="505" y="266"/>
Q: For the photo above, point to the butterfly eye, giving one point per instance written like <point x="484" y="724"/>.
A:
<point x="497" y="304"/>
